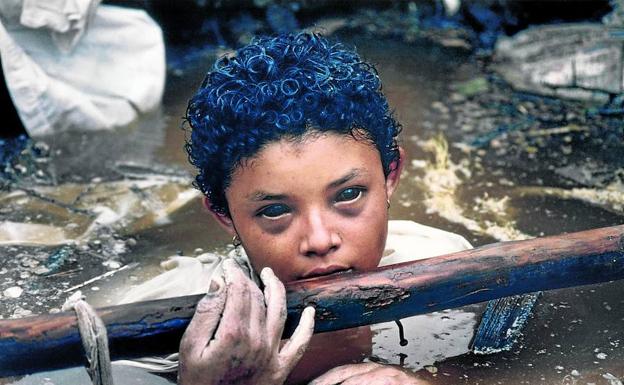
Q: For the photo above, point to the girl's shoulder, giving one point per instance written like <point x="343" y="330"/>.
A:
<point x="410" y="241"/>
<point x="183" y="275"/>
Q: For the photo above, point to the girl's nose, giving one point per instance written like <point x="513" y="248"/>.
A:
<point x="318" y="237"/>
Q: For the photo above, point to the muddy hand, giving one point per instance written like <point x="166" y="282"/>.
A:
<point x="245" y="347"/>
<point x="368" y="373"/>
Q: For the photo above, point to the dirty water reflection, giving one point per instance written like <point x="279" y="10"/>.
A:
<point x="574" y="336"/>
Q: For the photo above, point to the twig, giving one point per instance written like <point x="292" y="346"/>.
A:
<point x="66" y="272"/>
<point x="557" y="130"/>
<point x="94" y="279"/>
<point x="53" y="201"/>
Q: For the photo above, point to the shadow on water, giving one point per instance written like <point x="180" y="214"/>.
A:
<point x="574" y="336"/>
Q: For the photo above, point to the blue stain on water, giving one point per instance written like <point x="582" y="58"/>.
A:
<point x="58" y="258"/>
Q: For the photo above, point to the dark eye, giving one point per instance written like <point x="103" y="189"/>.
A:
<point x="349" y="194"/>
<point x="274" y="211"/>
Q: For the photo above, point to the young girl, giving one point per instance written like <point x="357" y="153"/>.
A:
<point x="298" y="158"/>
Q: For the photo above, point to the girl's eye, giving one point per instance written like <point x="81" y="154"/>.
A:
<point x="274" y="211"/>
<point x="349" y="194"/>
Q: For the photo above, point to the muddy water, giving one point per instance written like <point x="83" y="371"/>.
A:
<point x="575" y="335"/>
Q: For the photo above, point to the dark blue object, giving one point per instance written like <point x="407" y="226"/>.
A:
<point x="502" y="323"/>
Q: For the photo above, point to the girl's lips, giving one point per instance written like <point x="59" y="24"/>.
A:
<point x="324" y="270"/>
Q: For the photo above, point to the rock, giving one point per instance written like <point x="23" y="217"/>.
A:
<point x="113" y="265"/>
<point x="472" y="87"/>
<point x="576" y="60"/>
<point x="41" y="270"/>
<point x="13" y="292"/>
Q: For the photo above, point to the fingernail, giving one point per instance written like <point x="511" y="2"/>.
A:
<point x="310" y="309"/>
<point x="266" y="273"/>
<point x="216" y="285"/>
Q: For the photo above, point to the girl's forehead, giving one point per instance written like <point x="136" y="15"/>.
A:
<point x="289" y="153"/>
<point x="316" y="157"/>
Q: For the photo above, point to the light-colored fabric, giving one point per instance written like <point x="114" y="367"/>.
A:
<point x="66" y="19"/>
<point x="411" y="241"/>
<point x="70" y="65"/>
<point x="187" y="276"/>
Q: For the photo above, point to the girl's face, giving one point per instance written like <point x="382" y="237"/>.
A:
<point x="311" y="207"/>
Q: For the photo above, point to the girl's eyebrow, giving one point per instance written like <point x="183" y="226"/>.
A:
<point x="258" y="196"/>
<point x="352" y="174"/>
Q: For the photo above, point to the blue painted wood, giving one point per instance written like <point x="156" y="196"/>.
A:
<point x="502" y="323"/>
<point x="342" y="301"/>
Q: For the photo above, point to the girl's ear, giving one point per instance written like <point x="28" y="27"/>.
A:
<point x="392" y="180"/>
<point x="223" y="220"/>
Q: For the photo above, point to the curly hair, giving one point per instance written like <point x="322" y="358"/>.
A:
<point x="282" y="87"/>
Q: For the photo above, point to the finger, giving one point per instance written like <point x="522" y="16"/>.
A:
<point x="293" y="350"/>
<point x="235" y="319"/>
<point x="376" y="376"/>
<point x="202" y="326"/>
<point x="342" y="373"/>
<point x="365" y="378"/>
<point x="257" y="317"/>
<point x="275" y="297"/>
<point x="385" y="375"/>
<point x="362" y="379"/>
<point x="216" y="284"/>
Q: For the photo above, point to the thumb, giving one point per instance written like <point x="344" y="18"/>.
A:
<point x="205" y="320"/>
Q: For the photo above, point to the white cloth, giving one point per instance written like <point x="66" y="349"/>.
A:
<point x="70" y="64"/>
<point x="431" y="336"/>
<point x="186" y="276"/>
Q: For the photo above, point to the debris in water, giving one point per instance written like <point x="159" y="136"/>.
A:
<point x="580" y="61"/>
<point x="441" y="184"/>
<point x="613" y="380"/>
<point x="472" y="87"/>
<point x="13" y="292"/>
<point x="601" y="356"/>
<point x="610" y="197"/>
<point x="58" y="258"/>
<point x="126" y="206"/>
<point x="502" y="323"/>
<point x="99" y="277"/>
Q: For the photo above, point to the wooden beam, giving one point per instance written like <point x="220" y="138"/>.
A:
<point x="342" y="301"/>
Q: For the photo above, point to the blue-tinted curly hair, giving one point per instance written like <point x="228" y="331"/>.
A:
<point x="283" y="87"/>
